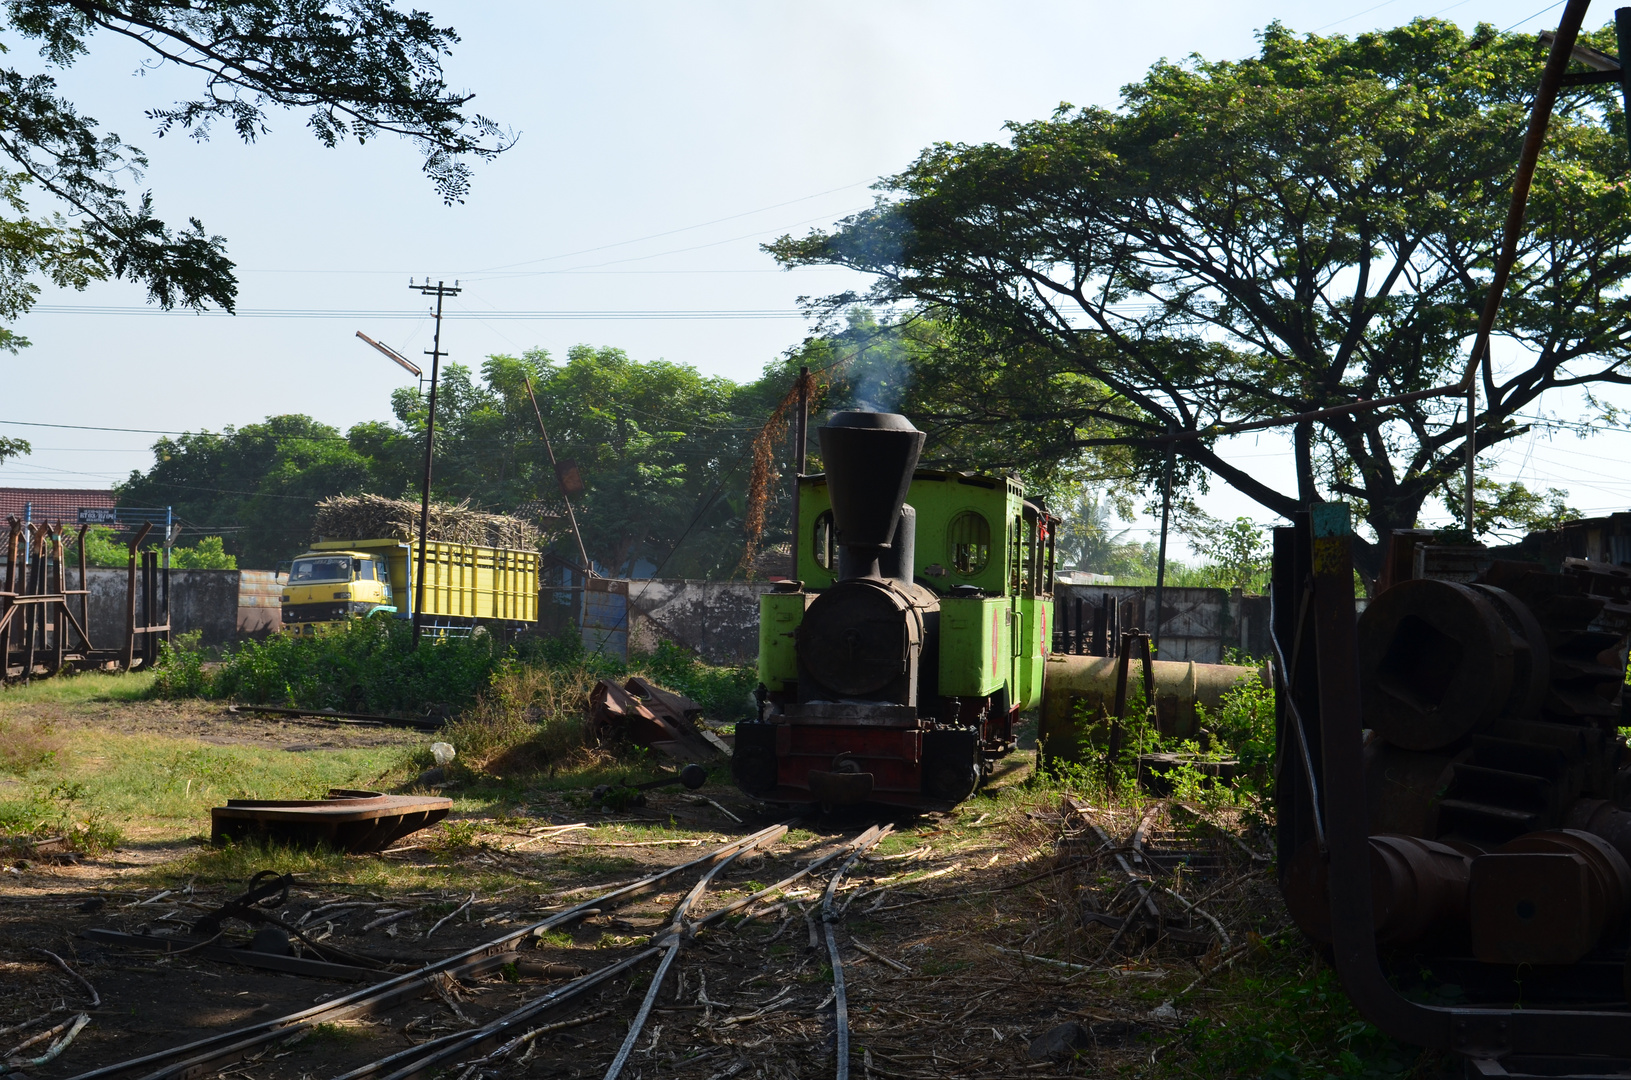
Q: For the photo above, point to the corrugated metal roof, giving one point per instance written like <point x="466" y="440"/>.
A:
<point x="52" y="504"/>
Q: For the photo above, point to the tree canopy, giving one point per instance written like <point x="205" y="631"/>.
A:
<point x="257" y="486"/>
<point x="662" y="451"/>
<point x="1245" y="240"/>
<point x="356" y="68"/>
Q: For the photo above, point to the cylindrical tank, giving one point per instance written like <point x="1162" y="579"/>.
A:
<point x="1077" y="690"/>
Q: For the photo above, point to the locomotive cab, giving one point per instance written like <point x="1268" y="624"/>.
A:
<point x="894" y="671"/>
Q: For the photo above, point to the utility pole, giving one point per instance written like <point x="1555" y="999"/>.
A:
<point x="801" y="436"/>
<point x="1472" y="447"/>
<point x="440" y="291"/>
<point x="1161" y="555"/>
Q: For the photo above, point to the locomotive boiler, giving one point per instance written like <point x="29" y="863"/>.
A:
<point x="893" y="671"/>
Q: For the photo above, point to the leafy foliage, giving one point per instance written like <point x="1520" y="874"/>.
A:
<point x="1237" y="551"/>
<point x="661" y="449"/>
<point x="264" y="479"/>
<point x="362" y="665"/>
<point x="656" y="444"/>
<point x="1248" y="239"/>
<point x="208" y="554"/>
<point x="358" y="68"/>
<point x="1294" y="1024"/>
<point x="1512" y="508"/>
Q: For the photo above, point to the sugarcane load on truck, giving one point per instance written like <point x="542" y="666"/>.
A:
<point x="479" y="569"/>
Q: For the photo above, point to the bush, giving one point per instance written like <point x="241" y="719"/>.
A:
<point x="180" y="669"/>
<point x="104" y="548"/>
<point x="207" y="554"/>
<point x="519" y="710"/>
<point x="1240" y="728"/>
<point x="529" y="719"/>
<point x="361" y="665"/>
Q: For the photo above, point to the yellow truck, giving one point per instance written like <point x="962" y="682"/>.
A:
<point x="464" y="585"/>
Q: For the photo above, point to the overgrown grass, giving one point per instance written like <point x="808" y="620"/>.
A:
<point x="1286" y="1017"/>
<point x="518" y="710"/>
<point x="361" y="665"/>
<point x="74" y="689"/>
<point x="1240" y="729"/>
<point x="153" y="783"/>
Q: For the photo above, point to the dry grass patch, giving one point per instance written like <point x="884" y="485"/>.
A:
<point x="26" y="745"/>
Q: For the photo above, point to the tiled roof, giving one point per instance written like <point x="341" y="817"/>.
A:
<point x="52" y="504"/>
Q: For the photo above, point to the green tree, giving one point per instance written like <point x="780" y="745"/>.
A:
<point x="1244" y="240"/>
<point x="208" y="554"/>
<point x="1512" y="509"/>
<point x="356" y="68"/>
<point x="661" y="449"/>
<point x="1236" y="553"/>
<point x="10" y="448"/>
<point x="1085" y="538"/>
<point x="263" y="481"/>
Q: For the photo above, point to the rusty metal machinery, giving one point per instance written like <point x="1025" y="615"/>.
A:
<point x="1492" y="762"/>
<point x="44" y="625"/>
<point x="1449" y="791"/>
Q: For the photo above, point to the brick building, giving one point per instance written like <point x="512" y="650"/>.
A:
<point x="52" y="504"/>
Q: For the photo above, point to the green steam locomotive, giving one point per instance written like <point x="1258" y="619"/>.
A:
<point x="893" y="671"/>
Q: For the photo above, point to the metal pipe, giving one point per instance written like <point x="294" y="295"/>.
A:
<point x="801" y="437"/>
<point x="572" y="517"/>
<point x="1161" y="556"/>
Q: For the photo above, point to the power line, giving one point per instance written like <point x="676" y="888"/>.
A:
<point x="540" y="315"/>
<point x="671" y="232"/>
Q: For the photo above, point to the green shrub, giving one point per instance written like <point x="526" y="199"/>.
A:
<point x="361" y="665"/>
<point x="1243" y="728"/>
<point x="180" y="671"/>
<point x="207" y="554"/>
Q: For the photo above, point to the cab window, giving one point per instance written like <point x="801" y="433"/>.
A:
<point x="825" y="547"/>
<point x="310" y="571"/>
<point x="968" y="543"/>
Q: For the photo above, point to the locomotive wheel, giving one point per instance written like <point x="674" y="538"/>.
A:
<point x="753" y="758"/>
<point x="951" y="764"/>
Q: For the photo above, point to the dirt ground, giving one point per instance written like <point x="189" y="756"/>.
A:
<point x="967" y="935"/>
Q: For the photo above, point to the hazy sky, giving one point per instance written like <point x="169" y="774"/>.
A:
<point x="660" y="145"/>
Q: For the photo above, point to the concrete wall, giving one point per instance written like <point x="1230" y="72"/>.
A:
<point x="718" y="619"/>
<point x="202" y="600"/>
<point x="1196" y="624"/>
<point x="223" y="605"/>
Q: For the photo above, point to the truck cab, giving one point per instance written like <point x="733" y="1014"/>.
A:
<point x="330" y="586"/>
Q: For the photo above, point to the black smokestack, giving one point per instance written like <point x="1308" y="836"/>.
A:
<point x="870" y="458"/>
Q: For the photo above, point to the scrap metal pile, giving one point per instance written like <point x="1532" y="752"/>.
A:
<point x="1495" y="774"/>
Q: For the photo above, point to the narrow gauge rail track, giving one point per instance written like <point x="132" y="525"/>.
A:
<point x="465" y="1054"/>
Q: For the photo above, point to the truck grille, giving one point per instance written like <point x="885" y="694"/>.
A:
<point x="308" y="613"/>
